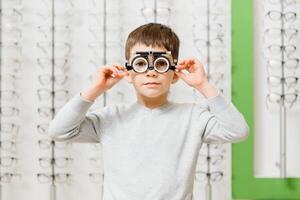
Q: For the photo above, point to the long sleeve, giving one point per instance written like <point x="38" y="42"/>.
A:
<point x="73" y="124"/>
<point x="225" y="124"/>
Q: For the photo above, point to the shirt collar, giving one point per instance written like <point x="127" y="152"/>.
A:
<point x="160" y="109"/>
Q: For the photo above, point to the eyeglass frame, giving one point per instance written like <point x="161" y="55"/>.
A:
<point x="156" y="55"/>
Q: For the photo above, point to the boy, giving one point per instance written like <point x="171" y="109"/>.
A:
<point x="150" y="148"/>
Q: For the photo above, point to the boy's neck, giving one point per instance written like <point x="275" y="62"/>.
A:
<point x="152" y="103"/>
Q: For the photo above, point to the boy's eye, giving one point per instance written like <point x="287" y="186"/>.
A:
<point x="140" y="63"/>
<point x="161" y="64"/>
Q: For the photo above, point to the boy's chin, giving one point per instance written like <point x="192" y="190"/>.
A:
<point x="151" y="95"/>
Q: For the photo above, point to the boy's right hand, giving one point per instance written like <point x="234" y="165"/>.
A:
<point x="105" y="77"/>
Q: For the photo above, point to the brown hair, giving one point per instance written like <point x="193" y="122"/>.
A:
<point x="153" y="34"/>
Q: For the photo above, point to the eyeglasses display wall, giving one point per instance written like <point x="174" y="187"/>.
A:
<point x="277" y="88"/>
<point x="211" y="40"/>
<point x="50" y="49"/>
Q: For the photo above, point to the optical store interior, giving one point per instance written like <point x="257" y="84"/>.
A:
<point x="49" y="50"/>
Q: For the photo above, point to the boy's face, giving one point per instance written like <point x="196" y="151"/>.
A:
<point x="141" y="81"/>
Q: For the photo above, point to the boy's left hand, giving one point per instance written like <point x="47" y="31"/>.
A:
<point x="196" y="76"/>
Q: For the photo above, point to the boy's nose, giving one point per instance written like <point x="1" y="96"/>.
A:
<point x="151" y="72"/>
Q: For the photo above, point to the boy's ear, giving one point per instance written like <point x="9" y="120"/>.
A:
<point x="128" y="77"/>
<point x="175" y="78"/>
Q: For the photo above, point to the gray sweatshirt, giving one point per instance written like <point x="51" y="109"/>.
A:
<point x="149" y="154"/>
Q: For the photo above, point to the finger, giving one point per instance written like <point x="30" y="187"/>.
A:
<point x="106" y="68"/>
<point x="195" y="61"/>
<point x="181" y="75"/>
<point x="191" y="64"/>
<point x="181" y="66"/>
<point x="184" y="67"/>
<point x="115" y="71"/>
<point x="112" y="71"/>
<point x="182" y="62"/>
<point x="121" y="72"/>
<point x="196" y="64"/>
<point x="119" y="66"/>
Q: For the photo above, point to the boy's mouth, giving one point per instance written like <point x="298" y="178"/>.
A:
<point x="152" y="83"/>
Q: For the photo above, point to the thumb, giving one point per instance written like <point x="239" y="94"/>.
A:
<point x="120" y="75"/>
<point x="181" y="75"/>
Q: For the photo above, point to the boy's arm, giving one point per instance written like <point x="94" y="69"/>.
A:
<point x="73" y="124"/>
<point x="224" y="123"/>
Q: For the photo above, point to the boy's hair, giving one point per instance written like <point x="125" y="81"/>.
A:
<point x="153" y="34"/>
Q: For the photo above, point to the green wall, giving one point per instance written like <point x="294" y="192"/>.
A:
<point x="244" y="185"/>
